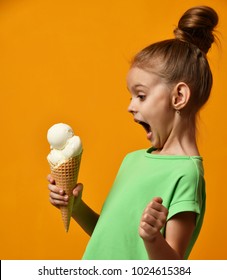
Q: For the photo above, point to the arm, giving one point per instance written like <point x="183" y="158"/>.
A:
<point x="178" y="232"/>
<point x="85" y="217"/>
<point x="81" y="213"/>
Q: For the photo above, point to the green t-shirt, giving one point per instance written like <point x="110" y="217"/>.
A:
<point x="177" y="179"/>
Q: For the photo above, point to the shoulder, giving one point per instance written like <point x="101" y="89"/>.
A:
<point x="135" y="154"/>
<point x="193" y="168"/>
<point x="133" y="158"/>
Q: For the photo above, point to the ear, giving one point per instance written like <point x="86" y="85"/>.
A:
<point x="180" y="96"/>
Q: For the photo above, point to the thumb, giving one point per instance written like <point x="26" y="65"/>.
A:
<point x="158" y="199"/>
<point x="77" y="189"/>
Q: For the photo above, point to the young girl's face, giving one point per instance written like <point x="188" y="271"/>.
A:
<point x="151" y="105"/>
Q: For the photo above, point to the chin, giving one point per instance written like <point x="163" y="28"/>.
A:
<point x="156" y="145"/>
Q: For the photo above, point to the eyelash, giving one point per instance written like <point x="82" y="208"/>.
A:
<point x="141" y="97"/>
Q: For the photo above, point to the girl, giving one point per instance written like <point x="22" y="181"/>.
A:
<point x="156" y="206"/>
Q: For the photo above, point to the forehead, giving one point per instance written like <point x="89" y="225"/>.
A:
<point x="137" y="76"/>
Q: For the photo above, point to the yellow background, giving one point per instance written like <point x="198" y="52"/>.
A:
<point x="66" y="61"/>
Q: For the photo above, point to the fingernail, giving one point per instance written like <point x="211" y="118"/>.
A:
<point x="66" y="197"/>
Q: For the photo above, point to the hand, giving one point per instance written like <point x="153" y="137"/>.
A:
<point x="57" y="195"/>
<point x="153" y="219"/>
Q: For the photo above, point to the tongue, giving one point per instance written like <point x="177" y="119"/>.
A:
<point x="149" y="135"/>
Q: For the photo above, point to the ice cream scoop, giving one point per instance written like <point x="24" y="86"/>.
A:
<point x="63" y="143"/>
<point x="58" y="135"/>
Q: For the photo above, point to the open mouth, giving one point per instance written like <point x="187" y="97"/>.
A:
<point x="147" y="128"/>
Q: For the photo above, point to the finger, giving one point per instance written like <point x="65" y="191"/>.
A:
<point x="158" y="199"/>
<point x="55" y="189"/>
<point x="151" y="212"/>
<point x="155" y="222"/>
<point x="56" y="196"/>
<point x="147" y="227"/>
<point x="77" y="189"/>
<point x="148" y="230"/>
<point x="148" y="219"/>
<point x="156" y="204"/>
<point x="56" y="202"/>
<point x="155" y="210"/>
<point x="158" y="211"/>
<point x="151" y="225"/>
<point x="50" y="179"/>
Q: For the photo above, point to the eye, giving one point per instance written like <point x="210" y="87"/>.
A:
<point x="141" y="97"/>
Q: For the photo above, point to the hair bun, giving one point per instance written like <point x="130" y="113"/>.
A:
<point x="196" y="26"/>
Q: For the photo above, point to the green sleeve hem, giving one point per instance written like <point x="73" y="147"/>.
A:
<point x="183" y="206"/>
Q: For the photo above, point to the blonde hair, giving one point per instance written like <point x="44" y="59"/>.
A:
<point x="183" y="59"/>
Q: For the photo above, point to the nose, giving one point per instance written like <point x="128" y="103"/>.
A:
<point x="131" y="107"/>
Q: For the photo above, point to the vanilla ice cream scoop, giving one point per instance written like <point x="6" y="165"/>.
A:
<point x="58" y="135"/>
<point x="63" y="143"/>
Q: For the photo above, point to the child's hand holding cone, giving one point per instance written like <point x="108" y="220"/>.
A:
<point x="58" y="197"/>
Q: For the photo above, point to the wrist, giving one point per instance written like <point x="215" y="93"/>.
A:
<point x="76" y="206"/>
<point x="154" y="246"/>
<point x="150" y="240"/>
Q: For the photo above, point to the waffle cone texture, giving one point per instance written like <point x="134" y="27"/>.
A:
<point x="65" y="176"/>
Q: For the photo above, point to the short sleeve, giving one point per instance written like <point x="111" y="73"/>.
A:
<point x="188" y="195"/>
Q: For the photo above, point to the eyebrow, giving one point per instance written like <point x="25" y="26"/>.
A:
<point x="136" y="86"/>
<point x="139" y="85"/>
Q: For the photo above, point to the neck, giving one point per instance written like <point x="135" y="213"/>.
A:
<point x="182" y="139"/>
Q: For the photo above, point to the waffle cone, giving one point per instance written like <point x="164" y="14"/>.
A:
<point x="65" y="176"/>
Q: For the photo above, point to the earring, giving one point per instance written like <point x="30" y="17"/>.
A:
<point x="178" y="112"/>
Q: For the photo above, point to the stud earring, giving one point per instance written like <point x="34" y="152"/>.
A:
<point x="178" y="112"/>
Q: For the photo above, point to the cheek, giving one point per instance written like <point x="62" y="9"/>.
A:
<point x="162" y="122"/>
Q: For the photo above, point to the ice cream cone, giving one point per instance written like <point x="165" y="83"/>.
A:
<point x="65" y="176"/>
